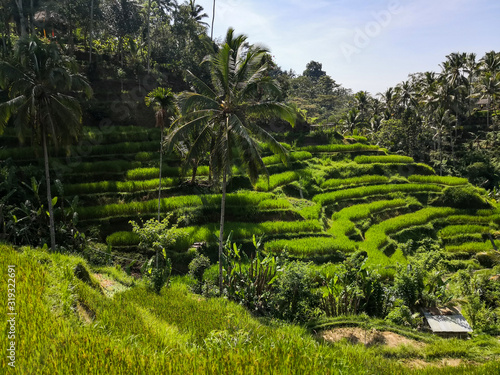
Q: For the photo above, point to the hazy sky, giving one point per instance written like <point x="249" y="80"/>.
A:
<point x="362" y="44"/>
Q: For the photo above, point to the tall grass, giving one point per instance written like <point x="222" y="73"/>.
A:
<point x="150" y="173"/>
<point x="365" y="191"/>
<point x="118" y="186"/>
<point x="442" y="180"/>
<point x="472" y="247"/>
<point x="115" y="166"/>
<point x="276" y="180"/>
<point x="340" y="148"/>
<point x="365" y="159"/>
<point x="140" y="332"/>
<point x="292" y="156"/>
<point x="455" y="230"/>
<point x="310" y="246"/>
<point x="172" y="203"/>
<point x="361" y="180"/>
<point x="362" y="211"/>
<point x="376" y="235"/>
<point x="244" y="231"/>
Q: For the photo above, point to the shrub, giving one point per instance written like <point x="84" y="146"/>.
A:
<point x="294" y="297"/>
<point x="466" y="197"/>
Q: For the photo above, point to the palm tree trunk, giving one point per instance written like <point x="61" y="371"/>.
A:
<point x="91" y="41"/>
<point x="22" y="20"/>
<point x="49" y="194"/>
<point x="213" y="19"/>
<point x="32" y="16"/>
<point x="221" y="234"/>
<point x="149" y="35"/>
<point x="159" y="186"/>
<point x="195" y="168"/>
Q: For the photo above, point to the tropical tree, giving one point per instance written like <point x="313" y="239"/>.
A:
<point x="195" y="11"/>
<point x="222" y="112"/>
<point x="163" y="102"/>
<point x="39" y="81"/>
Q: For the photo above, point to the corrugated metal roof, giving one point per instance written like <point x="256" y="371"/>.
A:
<point x="448" y="323"/>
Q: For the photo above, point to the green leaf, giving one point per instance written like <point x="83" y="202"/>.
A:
<point x="54" y="201"/>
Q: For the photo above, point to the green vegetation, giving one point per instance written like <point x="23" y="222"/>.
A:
<point x="340" y="148"/>
<point x="442" y="180"/>
<point x="329" y="209"/>
<point x="365" y="191"/>
<point x="363" y="159"/>
<point x="362" y="180"/>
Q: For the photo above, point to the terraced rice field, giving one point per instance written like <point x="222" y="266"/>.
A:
<point x="327" y="201"/>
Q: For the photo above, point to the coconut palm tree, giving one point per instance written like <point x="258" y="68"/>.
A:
<point x="220" y="111"/>
<point x="39" y="81"/>
<point x="163" y="102"/>
<point x="195" y="11"/>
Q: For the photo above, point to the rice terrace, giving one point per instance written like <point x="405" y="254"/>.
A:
<point x="177" y="203"/>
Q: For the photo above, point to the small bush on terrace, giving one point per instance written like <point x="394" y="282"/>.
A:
<point x="466" y="197"/>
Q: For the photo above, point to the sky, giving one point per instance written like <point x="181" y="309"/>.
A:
<point x="362" y="44"/>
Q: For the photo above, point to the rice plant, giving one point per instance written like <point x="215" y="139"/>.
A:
<point x="376" y="236"/>
<point x="472" y="247"/>
<point x="172" y="203"/>
<point x="442" y="180"/>
<point x="310" y="246"/>
<point x="455" y="230"/>
<point x="275" y="180"/>
<point x="123" y="239"/>
<point x="118" y="186"/>
<point x="361" y="180"/>
<point x="365" y="191"/>
<point x="340" y="148"/>
<point x="293" y="156"/>
<point x="365" y="159"/>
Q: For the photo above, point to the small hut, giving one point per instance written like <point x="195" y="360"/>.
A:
<point x="446" y="322"/>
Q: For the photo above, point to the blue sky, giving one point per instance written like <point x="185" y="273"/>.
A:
<point x="363" y="45"/>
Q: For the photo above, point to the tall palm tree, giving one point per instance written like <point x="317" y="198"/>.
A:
<point x="240" y="88"/>
<point x="163" y="102"/>
<point x="39" y="81"/>
<point x="213" y="20"/>
<point x="488" y="87"/>
<point x="195" y="11"/>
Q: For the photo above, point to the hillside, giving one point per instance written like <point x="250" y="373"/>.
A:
<point x="331" y="200"/>
<point x="75" y="319"/>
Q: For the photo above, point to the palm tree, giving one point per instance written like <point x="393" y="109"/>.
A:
<point x="163" y="102"/>
<point x="213" y="19"/>
<point x="195" y="11"/>
<point x="489" y="88"/>
<point x="38" y="82"/>
<point x="240" y="88"/>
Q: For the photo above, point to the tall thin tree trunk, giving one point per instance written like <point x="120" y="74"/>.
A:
<point x="32" y="16"/>
<point x="91" y="41"/>
<point x="149" y="36"/>
<point x="195" y="168"/>
<point x="213" y="19"/>
<point x="159" y="186"/>
<point x="221" y="234"/>
<point x="22" y="20"/>
<point x="49" y="194"/>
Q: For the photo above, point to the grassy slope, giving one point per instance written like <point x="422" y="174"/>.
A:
<point x="137" y="332"/>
